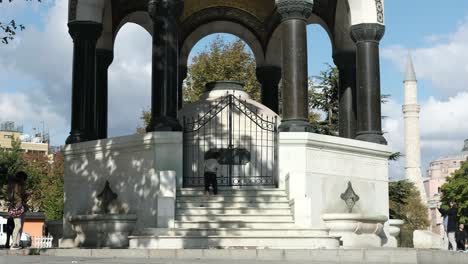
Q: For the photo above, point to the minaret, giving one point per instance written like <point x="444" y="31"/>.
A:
<point x="411" y="111"/>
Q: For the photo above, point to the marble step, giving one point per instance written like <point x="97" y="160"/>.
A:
<point x="233" y="211"/>
<point x="226" y="242"/>
<point x="238" y="217"/>
<point x="230" y="199"/>
<point x="265" y="232"/>
<point x="235" y="224"/>
<point x="232" y="192"/>
<point x="213" y="204"/>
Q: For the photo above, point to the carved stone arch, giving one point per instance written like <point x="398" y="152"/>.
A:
<point x="106" y="40"/>
<point x="273" y="50"/>
<point x="221" y="27"/>
<point x="237" y="22"/>
<point x="141" y="18"/>
<point x="342" y="32"/>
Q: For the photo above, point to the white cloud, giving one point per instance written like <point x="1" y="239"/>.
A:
<point x="443" y="129"/>
<point x="43" y="60"/>
<point x="444" y="62"/>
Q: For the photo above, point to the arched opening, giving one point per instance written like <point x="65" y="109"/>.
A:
<point x="323" y="80"/>
<point x="217" y="57"/>
<point x="227" y="120"/>
<point x="129" y="80"/>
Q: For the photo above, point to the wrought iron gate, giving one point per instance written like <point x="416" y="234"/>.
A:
<point x="245" y="140"/>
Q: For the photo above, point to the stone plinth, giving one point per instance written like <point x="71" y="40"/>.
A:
<point x="97" y="231"/>
<point x="318" y="169"/>
<point x="356" y="230"/>
<point x="137" y="169"/>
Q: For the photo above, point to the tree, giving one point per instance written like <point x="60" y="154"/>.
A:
<point x="222" y="61"/>
<point x="8" y="30"/>
<point x="44" y="187"/>
<point x="405" y="203"/>
<point x="456" y="189"/>
<point x="323" y="96"/>
<point x="10" y="163"/>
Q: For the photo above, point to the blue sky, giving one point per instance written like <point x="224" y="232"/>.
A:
<point x="36" y="71"/>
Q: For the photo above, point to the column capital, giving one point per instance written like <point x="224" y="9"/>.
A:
<point x="295" y="9"/>
<point x="367" y="32"/>
<point x="84" y="30"/>
<point x="268" y="73"/>
<point x="172" y="8"/>
<point x="345" y="59"/>
<point x="105" y="56"/>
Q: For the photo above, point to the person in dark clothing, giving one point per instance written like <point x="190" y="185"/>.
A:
<point x="10" y="226"/>
<point x="211" y="172"/>
<point x="461" y="237"/>
<point x="452" y="225"/>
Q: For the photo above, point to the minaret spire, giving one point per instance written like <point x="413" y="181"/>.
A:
<point x="411" y="111"/>
<point x="410" y="74"/>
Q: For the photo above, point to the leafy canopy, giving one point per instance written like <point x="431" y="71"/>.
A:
<point x="44" y="185"/>
<point x="405" y="203"/>
<point x="456" y="189"/>
<point x="222" y="60"/>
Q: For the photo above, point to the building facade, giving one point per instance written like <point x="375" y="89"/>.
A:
<point x="437" y="174"/>
<point x="37" y="144"/>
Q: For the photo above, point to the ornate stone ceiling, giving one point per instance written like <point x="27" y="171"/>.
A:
<point x="261" y="9"/>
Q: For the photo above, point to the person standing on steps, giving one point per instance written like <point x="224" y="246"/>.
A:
<point x="211" y="172"/>
<point x="452" y="223"/>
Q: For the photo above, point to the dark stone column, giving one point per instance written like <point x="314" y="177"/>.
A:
<point x="104" y="59"/>
<point x="269" y="77"/>
<point x="346" y="63"/>
<point x="369" y="118"/>
<point x="182" y="75"/>
<point x="85" y="35"/>
<point x="165" y="65"/>
<point x="294" y="14"/>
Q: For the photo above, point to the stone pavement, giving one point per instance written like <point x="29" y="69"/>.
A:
<point x="234" y="256"/>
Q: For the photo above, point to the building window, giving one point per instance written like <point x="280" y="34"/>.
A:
<point x="8" y="136"/>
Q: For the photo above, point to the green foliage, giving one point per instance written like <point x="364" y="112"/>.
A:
<point x="8" y="29"/>
<point x="10" y="163"/>
<point x="405" y="203"/>
<point x="44" y="185"/>
<point x="456" y="189"/>
<point x="221" y="61"/>
<point x="323" y="96"/>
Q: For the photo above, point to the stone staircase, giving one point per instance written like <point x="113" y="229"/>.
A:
<point x="235" y="218"/>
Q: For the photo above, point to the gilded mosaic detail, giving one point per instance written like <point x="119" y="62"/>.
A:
<point x="261" y="9"/>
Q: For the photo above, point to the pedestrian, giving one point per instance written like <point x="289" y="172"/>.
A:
<point x="211" y="172"/>
<point x="452" y="223"/>
<point x="461" y="237"/>
<point x="10" y="226"/>
<point x="16" y="211"/>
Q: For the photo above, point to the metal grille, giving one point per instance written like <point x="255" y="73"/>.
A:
<point x="246" y="140"/>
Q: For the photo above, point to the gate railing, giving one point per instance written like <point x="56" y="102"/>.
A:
<point x="247" y="142"/>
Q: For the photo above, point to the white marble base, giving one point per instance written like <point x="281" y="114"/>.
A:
<point x="97" y="231"/>
<point x="315" y="170"/>
<point x="427" y="240"/>
<point x="141" y="170"/>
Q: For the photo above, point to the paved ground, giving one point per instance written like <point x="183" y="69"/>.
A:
<point x="73" y="260"/>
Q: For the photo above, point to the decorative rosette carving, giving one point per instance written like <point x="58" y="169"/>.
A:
<point x="295" y="9"/>
<point x="173" y="8"/>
